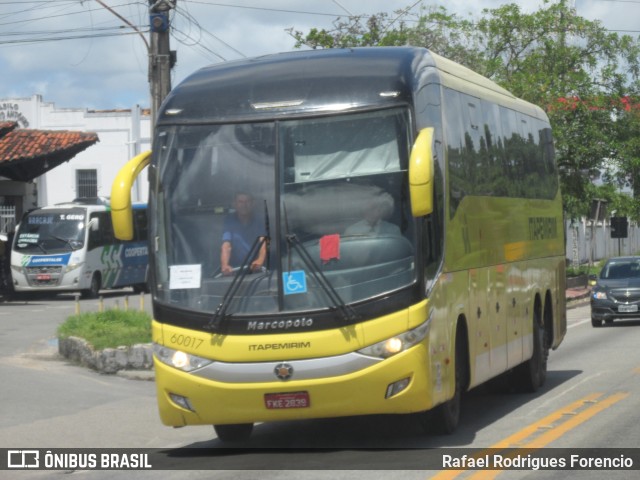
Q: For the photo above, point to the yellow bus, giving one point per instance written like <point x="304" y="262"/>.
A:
<point x="347" y="232"/>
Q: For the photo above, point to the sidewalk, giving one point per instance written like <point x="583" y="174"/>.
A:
<point x="577" y="294"/>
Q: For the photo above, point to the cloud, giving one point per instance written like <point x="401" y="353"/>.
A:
<point x="111" y="72"/>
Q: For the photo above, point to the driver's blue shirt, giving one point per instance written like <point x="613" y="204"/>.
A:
<point x="242" y="236"/>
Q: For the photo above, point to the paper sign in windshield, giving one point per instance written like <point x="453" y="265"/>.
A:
<point x="185" y="276"/>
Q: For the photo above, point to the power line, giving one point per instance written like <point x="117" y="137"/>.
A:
<point x="264" y="9"/>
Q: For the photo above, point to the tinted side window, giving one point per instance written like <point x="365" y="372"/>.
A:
<point x="495" y="151"/>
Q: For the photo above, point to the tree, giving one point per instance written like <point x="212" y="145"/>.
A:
<point x="572" y="67"/>
<point x="433" y="27"/>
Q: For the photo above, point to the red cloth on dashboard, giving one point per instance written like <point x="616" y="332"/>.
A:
<point x="330" y="248"/>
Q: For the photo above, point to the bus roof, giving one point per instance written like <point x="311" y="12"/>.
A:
<point x="295" y="83"/>
<point x="315" y="82"/>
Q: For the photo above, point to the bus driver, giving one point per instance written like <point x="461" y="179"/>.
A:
<point x="241" y="229"/>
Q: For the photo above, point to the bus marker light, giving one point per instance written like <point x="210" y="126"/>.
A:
<point x="181" y="401"/>
<point x="397" y="387"/>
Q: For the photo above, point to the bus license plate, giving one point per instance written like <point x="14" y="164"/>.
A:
<point x="275" y="401"/>
<point x="43" y="277"/>
<point x="628" y="308"/>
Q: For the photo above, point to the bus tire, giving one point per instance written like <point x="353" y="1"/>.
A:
<point x="532" y="374"/>
<point x="238" y="432"/>
<point x="94" y="288"/>
<point x="446" y="416"/>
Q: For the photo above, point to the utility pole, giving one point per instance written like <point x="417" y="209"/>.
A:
<point x="161" y="58"/>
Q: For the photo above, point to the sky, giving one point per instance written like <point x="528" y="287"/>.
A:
<point x="97" y="70"/>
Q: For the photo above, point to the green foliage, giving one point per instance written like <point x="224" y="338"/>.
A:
<point x="109" y="329"/>
<point x="584" y="270"/>
<point x="572" y="67"/>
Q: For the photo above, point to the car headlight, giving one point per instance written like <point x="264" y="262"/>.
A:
<point x="399" y="343"/>
<point x="598" y="295"/>
<point x="179" y="359"/>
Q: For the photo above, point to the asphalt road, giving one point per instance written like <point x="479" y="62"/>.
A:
<point x="589" y="401"/>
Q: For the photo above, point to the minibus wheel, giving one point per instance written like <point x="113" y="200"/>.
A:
<point x="94" y="288"/>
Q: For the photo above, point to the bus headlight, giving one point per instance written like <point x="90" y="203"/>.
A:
<point x="394" y="345"/>
<point x="72" y="266"/>
<point x="179" y="359"/>
<point x="17" y="269"/>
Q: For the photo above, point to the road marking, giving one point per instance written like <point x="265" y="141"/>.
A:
<point x="539" y="434"/>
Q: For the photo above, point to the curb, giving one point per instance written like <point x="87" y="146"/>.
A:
<point x="578" y="300"/>
<point x="137" y="358"/>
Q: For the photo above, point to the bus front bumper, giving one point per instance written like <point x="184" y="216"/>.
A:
<point x="400" y="384"/>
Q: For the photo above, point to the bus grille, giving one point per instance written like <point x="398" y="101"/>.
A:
<point x="43" y="276"/>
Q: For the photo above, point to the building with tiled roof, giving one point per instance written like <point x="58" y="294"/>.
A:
<point x="52" y="155"/>
<point x="27" y="154"/>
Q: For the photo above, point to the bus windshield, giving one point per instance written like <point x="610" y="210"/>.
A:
<point x="51" y="231"/>
<point x="285" y="216"/>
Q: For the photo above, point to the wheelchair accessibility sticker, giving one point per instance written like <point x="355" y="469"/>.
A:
<point x="294" y="282"/>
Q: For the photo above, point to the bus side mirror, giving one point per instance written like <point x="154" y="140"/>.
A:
<point x="421" y="174"/>
<point x="121" y="207"/>
<point x="94" y="224"/>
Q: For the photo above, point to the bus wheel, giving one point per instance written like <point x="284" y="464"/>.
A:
<point x="532" y="374"/>
<point x="239" y="432"/>
<point x="446" y="416"/>
<point x="94" y="288"/>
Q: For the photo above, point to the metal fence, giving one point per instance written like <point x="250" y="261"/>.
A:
<point x="589" y="241"/>
<point x="7" y="218"/>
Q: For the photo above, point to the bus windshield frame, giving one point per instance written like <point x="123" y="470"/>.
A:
<point x="329" y="203"/>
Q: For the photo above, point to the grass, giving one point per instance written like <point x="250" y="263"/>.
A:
<point x="109" y="329"/>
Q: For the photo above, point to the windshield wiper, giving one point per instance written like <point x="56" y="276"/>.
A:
<point x="348" y="313"/>
<point x="64" y="240"/>
<point x="39" y="245"/>
<point x="221" y="312"/>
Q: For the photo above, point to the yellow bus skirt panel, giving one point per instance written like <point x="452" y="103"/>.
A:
<point x="359" y="393"/>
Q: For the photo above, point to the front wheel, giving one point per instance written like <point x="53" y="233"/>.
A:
<point x="596" y="322"/>
<point x="239" y="432"/>
<point x="94" y="288"/>
<point x="444" y="418"/>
